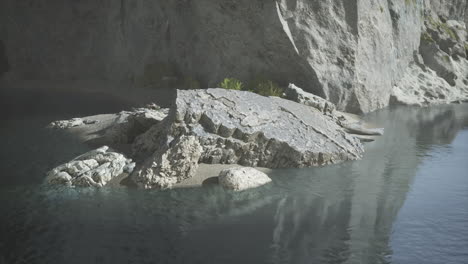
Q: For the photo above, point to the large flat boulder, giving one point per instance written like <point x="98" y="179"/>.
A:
<point x="237" y="127"/>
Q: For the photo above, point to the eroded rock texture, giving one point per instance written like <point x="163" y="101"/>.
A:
<point x="351" y="52"/>
<point x="439" y="73"/>
<point x="236" y="127"/>
<point x="92" y="169"/>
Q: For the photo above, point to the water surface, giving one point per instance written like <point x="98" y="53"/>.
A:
<point x="406" y="201"/>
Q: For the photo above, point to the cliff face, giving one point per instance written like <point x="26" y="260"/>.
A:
<point x="351" y="52"/>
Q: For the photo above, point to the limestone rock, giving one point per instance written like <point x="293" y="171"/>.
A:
<point x="170" y="164"/>
<point x="130" y="124"/>
<point x="237" y="127"/>
<point x="239" y="179"/>
<point x="94" y="168"/>
<point x="120" y="128"/>
<point x="298" y="95"/>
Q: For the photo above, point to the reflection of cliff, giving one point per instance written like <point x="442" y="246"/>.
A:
<point x="351" y="222"/>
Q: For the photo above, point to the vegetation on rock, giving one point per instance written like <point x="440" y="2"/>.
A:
<point x="265" y="87"/>
<point x="260" y="85"/>
<point x="441" y="26"/>
<point x="231" y="84"/>
<point x="427" y="37"/>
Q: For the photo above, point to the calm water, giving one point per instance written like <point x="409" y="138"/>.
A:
<point x="405" y="202"/>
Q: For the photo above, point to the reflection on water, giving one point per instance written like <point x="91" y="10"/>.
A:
<point x="377" y="210"/>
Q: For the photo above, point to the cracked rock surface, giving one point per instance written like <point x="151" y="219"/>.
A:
<point x="92" y="169"/>
<point x="236" y="127"/>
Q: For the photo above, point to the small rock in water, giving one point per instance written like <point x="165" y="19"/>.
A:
<point x="239" y="179"/>
<point x="92" y="169"/>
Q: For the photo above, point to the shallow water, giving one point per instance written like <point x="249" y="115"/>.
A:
<point x="405" y="202"/>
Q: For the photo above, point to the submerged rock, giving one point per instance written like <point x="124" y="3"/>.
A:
<point x="237" y="127"/>
<point x="239" y="179"/>
<point x="92" y="169"/>
<point x="359" y="129"/>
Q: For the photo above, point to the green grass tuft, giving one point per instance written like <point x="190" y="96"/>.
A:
<point x="265" y="87"/>
<point x="231" y="84"/>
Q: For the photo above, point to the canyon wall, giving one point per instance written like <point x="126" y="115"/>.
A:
<point x="351" y="52"/>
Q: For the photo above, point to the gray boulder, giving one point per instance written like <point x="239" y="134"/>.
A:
<point x="240" y="179"/>
<point x="92" y="169"/>
<point x="238" y="127"/>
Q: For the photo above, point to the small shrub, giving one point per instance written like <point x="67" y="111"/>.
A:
<point x="381" y="9"/>
<point x="231" y="84"/>
<point x="265" y="87"/>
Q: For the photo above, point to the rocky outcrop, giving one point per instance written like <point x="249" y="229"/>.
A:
<point x="439" y="73"/>
<point x="114" y="129"/>
<point x="352" y="124"/>
<point x="351" y="53"/>
<point x="240" y="179"/>
<point x="236" y="127"/>
<point x="298" y="95"/>
<point x="92" y="169"/>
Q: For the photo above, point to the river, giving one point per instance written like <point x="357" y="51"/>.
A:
<point x="406" y="201"/>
